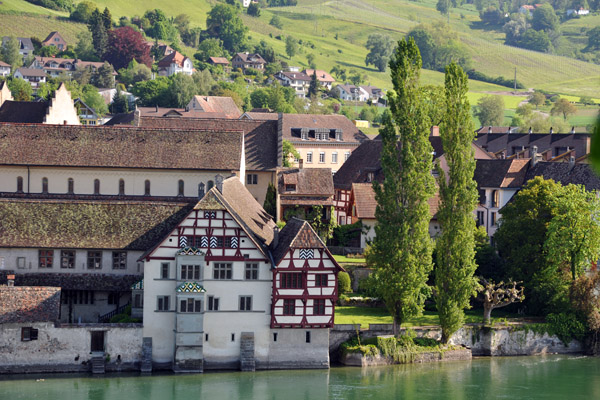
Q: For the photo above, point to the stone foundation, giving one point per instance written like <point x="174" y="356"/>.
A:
<point x="359" y="360"/>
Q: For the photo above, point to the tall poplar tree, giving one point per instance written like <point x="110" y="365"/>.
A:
<point x="455" y="261"/>
<point x="401" y="250"/>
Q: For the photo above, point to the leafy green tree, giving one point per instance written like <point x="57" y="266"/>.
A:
<point x="313" y="87"/>
<point x="535" y="40"/>
<point x="107" y="19"/>
<point x="134" y="72"/>
<point x="515" y="28"/>
<point x="490" y="111"/>
<point x="401" y="250"/>
<point x="276" y="21"/>
<point x="443" y="6"/>
<point x="120" y="103"/>
<point x="104" y="78"/>
<point x="10" y="53"/>
<point x="537" y="99"/>
<point x="91" y="97"/>
<point x="153" y="92"/>
<point x="289" y="154"/>
<point x="424" y="39"/>
<point x="368" y="113"/>
<point x="83" y="11"/>
<point x="356" y="77"/>
<point x="380" y="49"/>
<point x="270" y="204"/>
<point x="564" y="107"/>
<point x="253" y="10"/>
<point x="182" y="89"/>
<point x="99" y="33"/>
<point x="455" y="266"/>
<point x="46" y="90"/>
<point x="593" y="39"/>
<point x="435" y="103"/>
<point x="573" y="237"/>
<point x="265" y="50"/>
<point x="85" y="47"/>
<point x="223" y="22"/>
<point x="310" y="59"/>
<point x="545" y="19"/>
<point x="20" y="89"/>
<point x="291" y="46"/>
<point x="339" y="72"/>
<point x="210" y="47"/>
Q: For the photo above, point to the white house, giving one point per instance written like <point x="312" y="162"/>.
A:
<point x="33" y="76"/>
<point x="358" y="93"/>
<point x="297" y="80"/>
<point x="4" y="69"/>
<point x="225" y="289"/>
<point x="175" y="63"/>
<point x="580" y="11"/>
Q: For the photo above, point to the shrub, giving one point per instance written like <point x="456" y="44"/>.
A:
<point x="344" y="285"/>
<point x="566" y="327"/>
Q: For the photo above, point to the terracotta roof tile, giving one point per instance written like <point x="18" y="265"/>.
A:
<point x="219" y="104"/>
<point x="29" y="304"/>
<point x="79" y="281"/>
<point x="308" y="181"/>
<point x="173" y="58"/>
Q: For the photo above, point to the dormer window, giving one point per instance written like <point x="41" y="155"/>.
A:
<point x="290" y="188"/>
<point x="304" y="134"/>
<point x="370" y="176"/>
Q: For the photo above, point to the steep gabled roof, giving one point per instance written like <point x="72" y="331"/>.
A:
<point x="296" y="234"/>
<point x="32" y="112"/>
<point x="218" y="104"/>
<point x="31" y="72"/>
<point x="364" y="199"/>
<point x="219" y="60"/>
<point x="173" y="58"/>
<point x="501" y="173"/>
<point x="22" y="304"/>
<point x="251" y="58"/>
<point x="119" y="147"/>
<point x="322" y="76"/>
<point x="308" y="181"/>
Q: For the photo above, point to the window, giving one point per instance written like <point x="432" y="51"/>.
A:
<point x="210" y="185"/>
<point x="44" y="185"/>
<point x="493" y="219"/>
<point x="190" y="272"/>
<point x="338" y="135"/>
<point x="147" y="187"/>
<point x="304" y="134"/>
<point x="334" y="158"/>
<point x="289" y="307"/>
<point x="20" y="262"/>
<point x="480" y="220"/>
<point x="119" y="260"/>
<point x="251" y="179"/>
<point x="28" y="334"/>
<point x="121" y="187"/>
<point x="321" y="280"/>
<point x="370" y="176"/>
<point x="200" y="190"/>
<point x="213" y="303"/>
<point x="94" y="260"/>
<point x="222" y="271"/>
<point x="46" y="258"/>
<point x="346" y="155"/>
<point x="67" y="259"/>
<point x="96" y="186"/>
<point x="495" y="198"/>
<point x="245" y="303"/>
<point x="309" y="157"/>
<point x="319" y="307"/>
<point x="321" y="157"/>
<point x="138" y="300"/>
<point x="274" y="336"/>
<point x="113" y="298"/>
<point x="307" y="336"/>
<point x="190" y="305"/>
<point x="290" y="188"/>
<point x="180" y="187"/>
<point x="164" y="271"/>
<point x="291" y="280"/>
<point x="252" y="272"/>
<point x="78" y="297"/>
<point x="162" y="303"/>
<point x="19" y="184"/>
<point x="70" y="186"/>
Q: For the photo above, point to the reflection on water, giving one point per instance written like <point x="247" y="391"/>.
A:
<point x="544" y="377"/>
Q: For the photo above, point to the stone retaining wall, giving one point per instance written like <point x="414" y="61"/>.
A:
<point x="359" y="360"/>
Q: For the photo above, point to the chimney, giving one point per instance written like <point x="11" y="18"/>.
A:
<point x="136" y="117"/>
<point x="572" y="129"/>
<point x="551" y="130"/>
<point x="10" y="280"/>
<point x="571" y="162"/>
<point x="219" y="183"/>
<point x="535" y="157"/>
<point x="156" y="108"/>
<point x="509" y="129"/>
<point x="530" y="131"/>
<point x="435" y="131"/>
<point x="490" y="129"/>
<point x="300" y="163"/>
<point x="64" y="122"/>
<point x="275" y="241"/>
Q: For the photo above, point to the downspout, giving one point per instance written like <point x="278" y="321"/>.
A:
<point x="28" y="178"/>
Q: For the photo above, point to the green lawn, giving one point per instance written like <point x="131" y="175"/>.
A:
<point x="372" y="315"/>
<point x="348" y="260"/>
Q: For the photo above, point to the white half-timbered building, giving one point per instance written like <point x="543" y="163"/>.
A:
<point x="214" y="296"/>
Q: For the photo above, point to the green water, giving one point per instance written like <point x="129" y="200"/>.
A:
<point x="543" y="377"/>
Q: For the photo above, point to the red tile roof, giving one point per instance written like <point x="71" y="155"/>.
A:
<point x="173" y="58"/>
<point x="218" y="104"/>
<point x="22" y="304"/>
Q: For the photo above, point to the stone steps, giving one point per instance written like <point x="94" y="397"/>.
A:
<point x="98" y="364"/>
<point x="247" y="361"/>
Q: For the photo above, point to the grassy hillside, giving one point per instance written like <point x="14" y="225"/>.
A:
<point x="318" y="21"/>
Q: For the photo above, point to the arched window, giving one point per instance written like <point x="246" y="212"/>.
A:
<point x="70" y="186"/>
<point x="210" y="185"/>
<point x="180" y="188"/>
<point x="121" y="187"/>
<point x="44" y="185"/>
<point x="147" y="187"/>
<point x="200" y="190"/>
<point x="19" y="184"/>
<point x="96" y="186"/>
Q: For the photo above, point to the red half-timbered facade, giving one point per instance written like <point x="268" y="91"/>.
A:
<point x="304" y="279"/>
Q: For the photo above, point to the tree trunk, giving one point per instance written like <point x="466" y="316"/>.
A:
<point x="487" y="313"/>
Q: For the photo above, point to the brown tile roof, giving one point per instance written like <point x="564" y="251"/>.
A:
<point x="119" y="147"/>
<point x="260" y="115"/>
<point x="251" y="58"/>
<point x="20" y="304"/>
<point x="308" y="181"/>
<point x="295" y="76"/>
<point x="173" y="58"/>
<point x="32" y="112"/>
<point x="219" y="60"/>
<point x="78" y="281"/>
<point x="94" y="224"/>
<point x="501" y="173"/>
<point x="260" y="136"/>
<point x="3" y="64"/>
<point x="177" y="113"/>
<point x="240" y="203"/>
<point x="578" y="174"/>
<point x="497" y="129"/>
<point x="322" y="76"/>
<point x="31" y="72"/>
<point x="296" y="234"/>
<point x="516" y="142"/>
<point x="219" y="104"/>
<point x="312" y="121"/>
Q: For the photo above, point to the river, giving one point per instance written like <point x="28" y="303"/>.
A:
<point x="540" y="377"/>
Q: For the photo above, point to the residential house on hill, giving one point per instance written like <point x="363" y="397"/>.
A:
<point x="25" y="46"/>
<point x="33" y="76"/>
<point x="359" y="93"/>
<point x="324" y="78"/>
<point x="55" y="39"/>
<point x="297" y="80"/>
<point x="58" y="110"/>
<point x="323" y="141"/>
<point x="4" y="69"/>
<point x="247" y="60"/>
<point x="299" y="190"/>
<point x="579" y="12"/>
<point x="221" y="61"/>
<point x="87" y="115"/>
<point x="225" y="289"/>
<point x="175" y="63"/>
